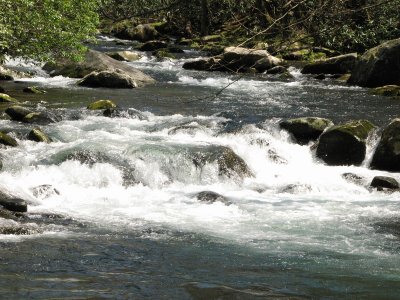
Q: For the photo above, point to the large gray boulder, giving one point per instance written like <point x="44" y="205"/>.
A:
<point x="95" y="61"/>
<point x="142" y="33"/>
<point x="341" y="64"/>
<point x="305" y="130"/>
<point x="378" y="66"/>
<point x="110" y="79"/>
<point x="344" y="144"/>
<point x="387" y="153"/>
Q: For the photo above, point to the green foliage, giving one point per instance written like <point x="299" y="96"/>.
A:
<point x="46" y="29"/>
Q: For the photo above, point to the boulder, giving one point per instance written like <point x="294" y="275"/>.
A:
<point x="12" y="203"/>
<point x="162" y="54"/>
<point x="344" y="144"/>
<point x="236" y="59"/>
<point x="211" y="197"/>
<point x="7" y="140"/>
<point x="37" y="135"/>
<point x="41" y="118"/>
<point x="124" y="55"/>
<point x="341" y="64"/>
<point x="142" y="33"/>
<point x="387" y="153"/>
<point x="95" y="61"/>
<point x="277" y="70"/>
<point x="378" y="66"/>
<point x="229" y="163"/>
<point x="101" y="104"/>
<point x="34" y="90"/>
<point x="387" y="91"/>
<point x="110" y="79"/>
<point x="305" y="130"/>
<point x="7" y="99"/>
<point x="17" y="113"/>
<point x="240" y="59"/>
<point x="6" y="77"/>
<point x="129" y="113"/>
<point x="384" y="183"/>
<point x="153" y="45"/>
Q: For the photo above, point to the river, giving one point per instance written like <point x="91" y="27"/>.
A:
<point x="125" y="222"/>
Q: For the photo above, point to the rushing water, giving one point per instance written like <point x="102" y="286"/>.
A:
<point x="126" y="224"/>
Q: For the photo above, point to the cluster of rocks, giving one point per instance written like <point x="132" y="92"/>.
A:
<point x="346" y="143"/>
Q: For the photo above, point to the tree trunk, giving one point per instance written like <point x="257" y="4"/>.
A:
<point x="205" y="18"/>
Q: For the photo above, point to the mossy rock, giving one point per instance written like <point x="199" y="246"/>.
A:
<point x="7" y="140"/>
<point x="37" y="135"/>
<point x="387" y="153"/>
<point x="7" y="99"/>
<point x="42" y="118"/>
<point x="305" y="130"/>
<point x="17" y="113"/>
<point x="34" y="90"/>
<point x="344" y="144"/>
<point x="101" y="104"/>
<point x="387" y="91"/>
<point x="163" y="53"/>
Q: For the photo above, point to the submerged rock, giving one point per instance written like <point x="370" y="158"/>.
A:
<point x="116" y="79"/>
<point x="384" y="182"/>
<point x="44" y="191"/>
<point x="37" y="135"/>
<point x="7" y="99"/>
<point x="95" y="61"/>
<point x="344" y="144"/>
<point x="378" y="66"/>
<point x="387" y="153"/>
<point x="341" y="64"/>
<point x="101" y="104"/>
<point x="12" y="203"/>
<point x="353" y="178"/>
<point x="34" y="90"/>
<point x="212" y="197"/>
<point x="296" y="188"/>
<point x="7" y="140"/>
<point x="2" y="90"/>
<point x="305" y="130"/>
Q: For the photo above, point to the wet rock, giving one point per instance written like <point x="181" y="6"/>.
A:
<point x="212" y="197"/>
<point x="162" y="54"/>
<point x="6" y="77"/>
<point x="341" y="64"/>
<point x="6" y="214"/>
<point x="277" y="70"/>
<point x="44" y="191"/>
<point x="229" y="163"/>
<point x="34" y="90"/>
<point x="17" y="230"/>
<point x="37" y="135"/>
<point x="41" y="118"/>
<point x="7" y="99"/>
<point x="211" y="64"/>
<point x="129" y="113"/>
<point x="384" y="183"/>
<point x="320" y="77"/>
<point x="378" y="66"/>
<point x="387" y="153"/>
<point x="12" y="203"/>
<point x="7" y="140"/>
<point x="305" y="130"/>
<point x="17" y="113"/>
<point x="186" y="129"/>
<point x="276" y="158"/>
<point x="387" y="91"/>
<point x="353" y="178"/>
<point x="101" y="104"/>
<point x="87" y="157"/>
<point x="124" y="56"/>
<point x="153" y="45"/>
<point x="2" y="90"/>
<point x="95" y="61"/>
<point x="116" y="79"/>
<point x="296" y="188"/>
<point x="344" y="144"/>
